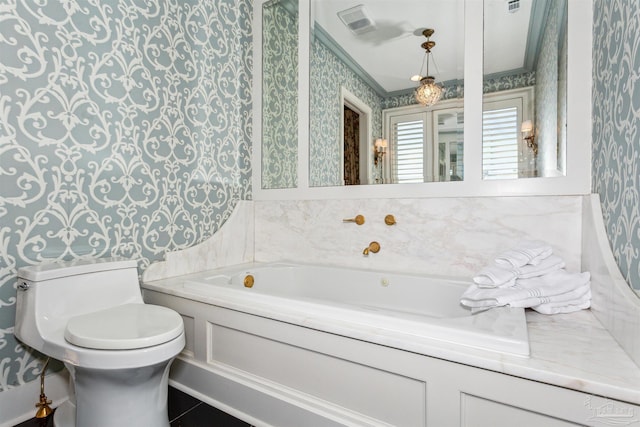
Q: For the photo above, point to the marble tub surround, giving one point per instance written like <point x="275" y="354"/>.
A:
<point x="573" y="351"/>
<point x="455" y="237"/>
<point x="614" y="304"/>
<point x="442" y="236"/>
<point x="232" y="244"/>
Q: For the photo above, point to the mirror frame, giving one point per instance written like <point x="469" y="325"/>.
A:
<point x="578" y="174"/>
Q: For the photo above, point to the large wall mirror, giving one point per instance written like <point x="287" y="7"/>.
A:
<point x="525" y="89"/>
<point x="336" y="127"/>
<point x="363" y="56"/>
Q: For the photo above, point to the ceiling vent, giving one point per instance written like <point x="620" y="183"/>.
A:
<point x="357" y="19"/>
<point x="513" y="6"/>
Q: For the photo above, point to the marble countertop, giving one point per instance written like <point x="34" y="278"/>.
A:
<point x="573" y="351"/>
<point x="568" y="350"/>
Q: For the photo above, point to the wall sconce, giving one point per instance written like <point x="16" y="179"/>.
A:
<point x="528" y="135"/>
<point x="379" y="149"/>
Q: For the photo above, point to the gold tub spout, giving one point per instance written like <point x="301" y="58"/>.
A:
<point x="373" y="247"/>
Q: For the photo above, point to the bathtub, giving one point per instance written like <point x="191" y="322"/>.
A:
<point x="407" y="312"/>
<point x="332" y="347"/>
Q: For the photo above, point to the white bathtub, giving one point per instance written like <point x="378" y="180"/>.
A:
<point x="407" y="312"/>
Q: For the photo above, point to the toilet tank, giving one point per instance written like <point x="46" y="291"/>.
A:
<point x="49" y="294"/>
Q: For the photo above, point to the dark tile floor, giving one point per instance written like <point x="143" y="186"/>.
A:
<point x="184" y="411"/>
<point x="187" y="411"/>
<point x="46" y="422"/>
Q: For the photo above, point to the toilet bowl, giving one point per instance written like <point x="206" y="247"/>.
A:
<point x="90" y="315"/>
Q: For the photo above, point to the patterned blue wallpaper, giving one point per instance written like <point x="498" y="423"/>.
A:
<point x="513" y="81"/>
<point x="280" y="95"/>
<point x="125" y="129"/>
<point x="616" y="126"/>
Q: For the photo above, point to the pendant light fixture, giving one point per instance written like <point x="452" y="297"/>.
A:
<point x="428" y="93"/>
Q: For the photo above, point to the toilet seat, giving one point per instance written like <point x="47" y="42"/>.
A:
<point x="124" y="327"/>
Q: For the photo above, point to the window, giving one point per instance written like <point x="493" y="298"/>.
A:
<point x="408" y="141"/>
<point x="503" y="154"/>
<point x="425" y="144"/>
<point x="500" y="143"/>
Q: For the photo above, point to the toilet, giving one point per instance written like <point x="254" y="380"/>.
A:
<point x="90" y="315"/>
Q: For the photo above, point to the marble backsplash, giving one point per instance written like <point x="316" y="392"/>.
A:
<point x="442" y="236"/>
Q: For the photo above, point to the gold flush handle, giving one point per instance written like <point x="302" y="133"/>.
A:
<point x="390" y="220"/>
<point x="248" y="281"/>
<point x="359" y="219"/>
<point x="373" y="247"/>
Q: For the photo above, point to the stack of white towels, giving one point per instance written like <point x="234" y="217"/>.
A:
<point x="529" y="275"/>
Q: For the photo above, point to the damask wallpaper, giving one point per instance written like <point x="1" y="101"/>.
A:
<point x="280" y="95"/>
<point x="616" y="127"/>
<point x="125" y="130"/>
<point x="513" y="81"/>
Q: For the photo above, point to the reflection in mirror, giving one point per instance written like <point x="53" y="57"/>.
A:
<point x="279" y="94"/>
<point x="363" y="54"/>
<point x="525" y="87"/>
<point x="426" y="144"/>
<point x="449" y="125"/>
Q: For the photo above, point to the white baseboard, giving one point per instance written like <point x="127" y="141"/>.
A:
<point x="18" y="404"/>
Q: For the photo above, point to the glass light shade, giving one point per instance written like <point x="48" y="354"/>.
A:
<point x="527" y="126"/>
<point x="380" y="143"/>
<point x="428" y="93"/>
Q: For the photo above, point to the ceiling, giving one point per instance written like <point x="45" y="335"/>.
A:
<point x="390" y="52"/>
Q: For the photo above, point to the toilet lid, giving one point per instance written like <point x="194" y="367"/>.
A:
<point x="124" y="327"/>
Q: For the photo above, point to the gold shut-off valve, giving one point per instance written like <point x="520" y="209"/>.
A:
<point x="44" y="410"/>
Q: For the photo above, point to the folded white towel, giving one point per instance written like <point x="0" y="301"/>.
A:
<point x="493" y="276"/>
<point x="497" y="276"/>
<point x="546" y="266"/>
<point x="526" y="252"/>
<point x="580" y="294"/>
<point x="555" y="283"/>
<point x="562" y="308"/>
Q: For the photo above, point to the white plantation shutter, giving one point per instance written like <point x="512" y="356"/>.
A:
<point x="500" y="143"/>
<point x="422" y="147"/>
<point x="408" y="137"/>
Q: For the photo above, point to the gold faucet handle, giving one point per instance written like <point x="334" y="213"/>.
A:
<point x="390" y="220"/>
<point x="373" y="247"/>
<point x="359" y="219"/>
